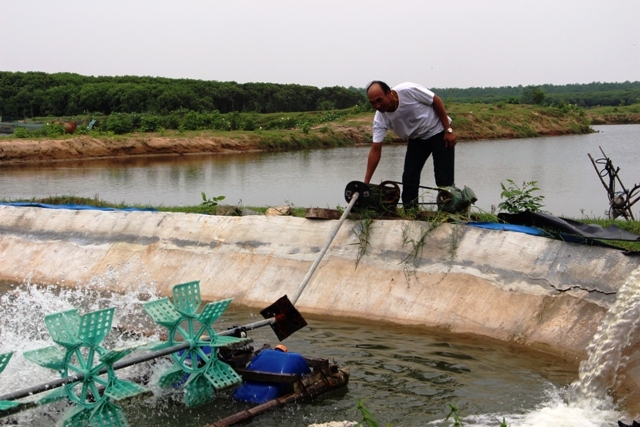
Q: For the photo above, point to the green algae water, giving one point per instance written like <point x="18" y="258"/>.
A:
<point x="407" y="376"/>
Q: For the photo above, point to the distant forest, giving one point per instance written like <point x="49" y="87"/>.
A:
<point x="37" y="94"/>
<point x="583" y="95"/>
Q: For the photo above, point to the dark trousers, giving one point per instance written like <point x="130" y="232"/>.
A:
<point x="418" y="151"/>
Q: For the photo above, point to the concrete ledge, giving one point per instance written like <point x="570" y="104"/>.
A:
<point x="542" y="293"/>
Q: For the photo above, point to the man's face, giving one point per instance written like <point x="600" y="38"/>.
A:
<point x="379" y="100"/>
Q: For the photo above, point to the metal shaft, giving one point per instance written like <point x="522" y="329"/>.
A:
<point x="305" y="281"/>
<point x="124" y="363"/>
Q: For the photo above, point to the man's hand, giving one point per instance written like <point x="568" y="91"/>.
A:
<point x="450" y="139"/>
<point x="438" y="107"/>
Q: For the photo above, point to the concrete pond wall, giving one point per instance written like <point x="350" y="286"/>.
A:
<point x="545" y="294"/>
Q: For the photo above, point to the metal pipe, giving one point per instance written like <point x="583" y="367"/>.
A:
<point x="306" y="279"/>
<point x="124" y="363"/>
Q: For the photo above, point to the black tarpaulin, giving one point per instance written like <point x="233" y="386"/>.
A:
<point x="569" y="226"/>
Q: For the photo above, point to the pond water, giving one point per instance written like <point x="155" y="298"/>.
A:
<point x="317" y="178"/>
<point x="408" y="377"/>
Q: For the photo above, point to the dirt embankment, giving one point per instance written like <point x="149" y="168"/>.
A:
<point x="86" y="147"/>
<point x="471" y="123"/>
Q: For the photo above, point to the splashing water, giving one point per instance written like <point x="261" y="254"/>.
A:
<point x="22" y="328"/>
<point x="599" y="373"/>
<point x="586" y="402"/>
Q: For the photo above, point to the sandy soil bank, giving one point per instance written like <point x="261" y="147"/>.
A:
<point x="85" y="147"/>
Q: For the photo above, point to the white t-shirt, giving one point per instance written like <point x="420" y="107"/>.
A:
<point x="414" y="118"/>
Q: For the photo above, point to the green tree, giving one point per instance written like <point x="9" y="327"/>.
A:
<point x="533" y="95"/>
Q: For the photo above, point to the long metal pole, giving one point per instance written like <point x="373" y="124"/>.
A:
<point x="305" y="281"/>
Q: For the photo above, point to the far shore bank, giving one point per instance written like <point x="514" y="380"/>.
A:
<point x="472" y="122"/>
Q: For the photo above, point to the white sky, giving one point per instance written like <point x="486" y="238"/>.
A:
<point x="454" y="43"/>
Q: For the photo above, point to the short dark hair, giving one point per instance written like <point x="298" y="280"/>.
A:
<point x="385" y="87"/>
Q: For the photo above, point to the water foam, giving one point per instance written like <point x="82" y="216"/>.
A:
<point x="587" y="401"/>
<point x="22" y="328"/>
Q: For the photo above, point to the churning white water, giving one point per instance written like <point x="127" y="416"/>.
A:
<point x="22" y="328"/>
<point x="587" y="401"/>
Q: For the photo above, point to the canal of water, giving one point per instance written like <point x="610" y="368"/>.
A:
<point x="317" y="178"/>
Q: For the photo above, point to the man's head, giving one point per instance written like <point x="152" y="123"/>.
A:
<point x="381" y="97"/>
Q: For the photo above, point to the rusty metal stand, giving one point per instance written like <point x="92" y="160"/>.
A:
<point x="620" y="202"/>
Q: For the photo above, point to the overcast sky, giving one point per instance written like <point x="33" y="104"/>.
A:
<point x="454" y="43"/>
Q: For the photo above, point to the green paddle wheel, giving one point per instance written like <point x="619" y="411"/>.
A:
<point x="198" y="367"/>
<point x="4" y="361"/>
<point x="83" y="356"/>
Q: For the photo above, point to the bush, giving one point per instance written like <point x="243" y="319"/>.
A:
<point x="52" y="130"/>
<point x="192" y="121"/>
<point x="119" y="123"/>
<point x="235" y="121"/>
<point x="149" y="123"/>
<point x="21" y="132"/>
<point x="81" y="130"/>
<point x="519" y="199"/>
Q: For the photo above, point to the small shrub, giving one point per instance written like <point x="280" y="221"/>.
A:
<point x="21" y="132"/>
<point x="52" y="130"/>
<point x="519" y="199"/>
<point x="210" y="202"/>
<point x="149" y="123"/>
<point x="236" y="121"/>
<point x="81" y="130"/>
<point x="192" y="121"/>
<point x="119" y="123"/>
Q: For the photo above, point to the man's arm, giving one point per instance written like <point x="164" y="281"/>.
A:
<point x="374" y="158"/>
<point x="438" y="106"/>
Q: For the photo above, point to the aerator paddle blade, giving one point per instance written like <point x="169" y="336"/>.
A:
<point x="287" y="318"/>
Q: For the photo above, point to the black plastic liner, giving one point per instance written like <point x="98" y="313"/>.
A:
<point x="573" y="231"/>
<point x="569" y="226"/>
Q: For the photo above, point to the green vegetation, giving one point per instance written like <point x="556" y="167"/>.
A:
<point x="369" y="420"/>
<point x="36" y="94"/>
<point x="614" y="115"/>
<point x="581" y="95"/>
<point x="519" y="199"/>
<point x="320" y="128"/>
<point x="480" y="121"/>
<point x="211" y="201"/>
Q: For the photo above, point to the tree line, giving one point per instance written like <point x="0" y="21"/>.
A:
<point x="37" y="94"/>
<point x="583" y="95"/>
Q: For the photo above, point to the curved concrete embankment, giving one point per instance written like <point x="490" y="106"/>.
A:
<point x="542" y="293"/>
